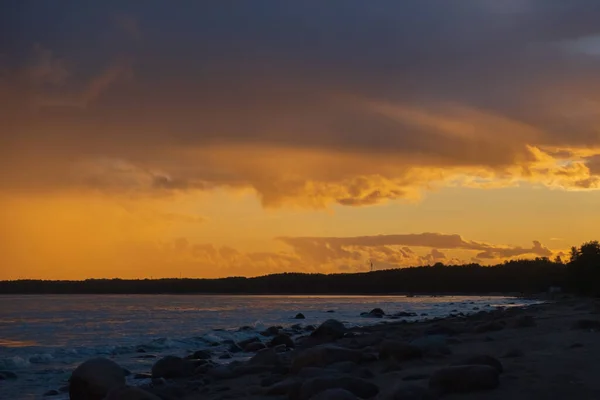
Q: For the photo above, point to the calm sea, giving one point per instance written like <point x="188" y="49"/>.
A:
<point x="43" y="337"/>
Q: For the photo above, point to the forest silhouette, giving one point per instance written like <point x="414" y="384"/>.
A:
<point x="579" y="275"/>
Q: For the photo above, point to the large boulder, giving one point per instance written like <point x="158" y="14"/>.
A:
<point x="170" y="367"/>
<point x="93" y="379"/>
<point x="282" y="339"/>
<point x="359" y="387"/>
<point x="482" y="360"/>
<point x="321" y="356"/>
<point x="463" y="379"/>
<point x="266" y="357"/>
<point x="331" y="329"/>
<point x="400" y="351"/>
<point x="130" y="393"/>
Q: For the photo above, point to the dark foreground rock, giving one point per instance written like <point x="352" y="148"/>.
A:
<point x="172" y="367"/>
<point x="463" y="379"/>
<point x="331" y="329"/>
<point x="7" y="375"/>
<point x="93" y="379"/>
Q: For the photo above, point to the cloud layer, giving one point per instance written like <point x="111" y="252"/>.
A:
<point x="310" y="105"/>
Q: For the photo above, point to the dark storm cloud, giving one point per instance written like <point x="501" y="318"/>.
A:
<point x="411" y="84"/>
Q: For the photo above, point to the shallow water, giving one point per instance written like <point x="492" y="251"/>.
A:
<point x="43" y="337"/>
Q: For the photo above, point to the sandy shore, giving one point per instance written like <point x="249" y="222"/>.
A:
<point x="546" y="351"/>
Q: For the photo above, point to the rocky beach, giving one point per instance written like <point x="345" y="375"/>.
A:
<point x="543" y="351"/>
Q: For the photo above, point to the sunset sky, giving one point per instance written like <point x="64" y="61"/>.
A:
<point x="216" y="138"/>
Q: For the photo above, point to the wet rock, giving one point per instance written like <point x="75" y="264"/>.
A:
<point x="4" y="375"/>
<point x="93" y="379"/>
<point x="254" y="347"/>
<point x="52" y="392"/>
<point x="172" y="367"/>
<point x="246" y="342"/>
<point x="524" y="321"/>
<point x="331" y="329"/>
<point x="142" y="376"/>
<point x="400" y="351"/>
<point x="225" y="356"/>
<point x="271" y="331"/>
<point x="359" y="387"/>
<point x="587" y="324"/>
<point x="374" y="313"/>
<point x="432" y="345"/>
<point x="220" y="372"/>
<point x="330" y="311"/>
<point x="130" y="393"/>
<point x="481" y="360"/>
<point x="463" y="379"/>
<point x="299" y="316"/>
<point x="200" y="355"/>
<point x="406" y="391"/>
<point x="234" y="348"/>
<point x="334" y="394"/>
<point x="321" y="356"/>
<point x="309" y="328"/>
<point x="266" y="357"/>
<point x="146" y="356"/>
<point x="282" y="339"/>
<point x="489" y="327"/>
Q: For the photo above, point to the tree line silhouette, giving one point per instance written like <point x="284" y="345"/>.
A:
<point x="580" y="274"/>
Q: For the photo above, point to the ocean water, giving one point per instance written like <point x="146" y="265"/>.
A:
<point x="44" y="337"/>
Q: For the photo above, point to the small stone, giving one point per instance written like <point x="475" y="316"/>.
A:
<point x="321" y="356"/>
<point x="234" y="348"/>
<point x="142" y="376"/>
<point x="299" y="316"/>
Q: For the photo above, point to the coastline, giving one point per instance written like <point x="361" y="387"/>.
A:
<point x="545" y="351"/>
